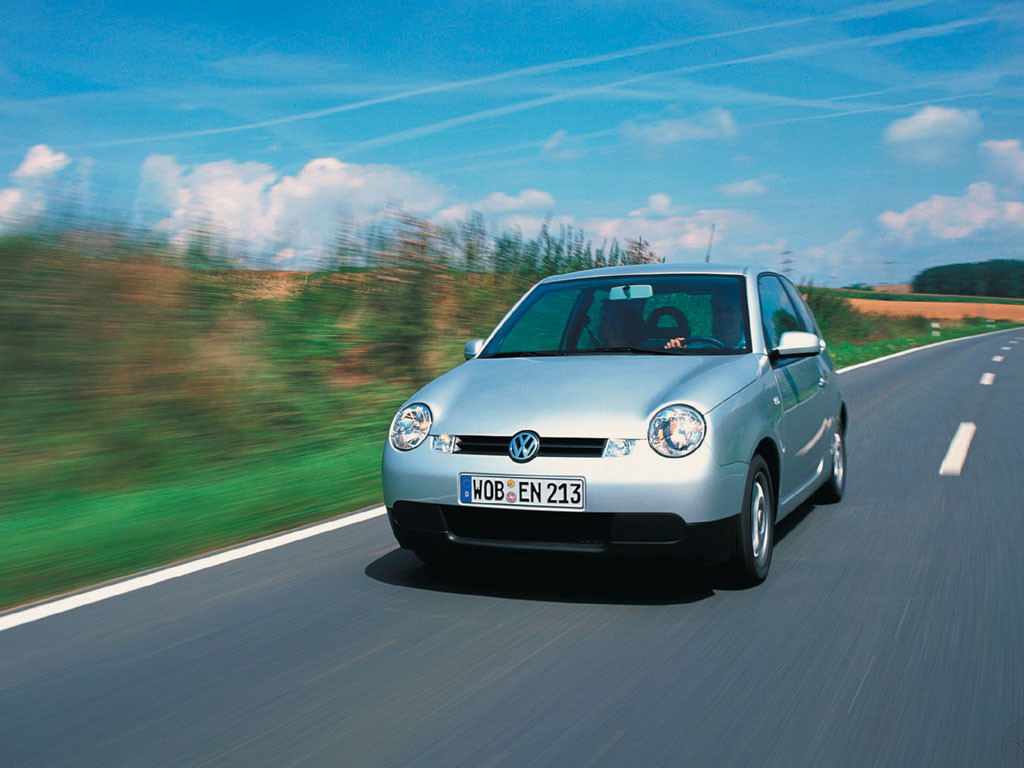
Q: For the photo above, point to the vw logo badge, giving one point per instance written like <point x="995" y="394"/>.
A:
<point x="523" y="446"/>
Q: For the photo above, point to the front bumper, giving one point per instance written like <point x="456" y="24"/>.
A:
<point x="443" y="528"/>
<point x="696" y="487"/>
<point x="641" y="503"/>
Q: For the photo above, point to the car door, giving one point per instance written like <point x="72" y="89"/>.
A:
<point x="800" y="382"/>
<point x="827" y="399"/>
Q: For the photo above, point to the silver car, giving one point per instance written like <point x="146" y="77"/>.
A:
<point x="640" y="409"/>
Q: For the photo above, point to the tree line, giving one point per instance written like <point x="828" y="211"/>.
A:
<point x="1003" y="278"/>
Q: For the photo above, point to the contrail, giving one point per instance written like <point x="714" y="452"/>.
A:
<point x="859" y="12"/>
<point x="884" y="108"/>
<point x="794" y="52"/>
<point x="867" y="109"/>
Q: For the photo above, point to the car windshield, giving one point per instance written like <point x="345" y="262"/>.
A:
<point x="629" y="314"/>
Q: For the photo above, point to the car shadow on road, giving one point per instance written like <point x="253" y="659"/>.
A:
<point x="616" y="583"/>
<point x="785" y="526"/>
<point x="629" y="582"/>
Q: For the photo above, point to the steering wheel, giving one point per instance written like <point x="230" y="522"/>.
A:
<point x="711" y="340"/>
<point x="682" y="324"/>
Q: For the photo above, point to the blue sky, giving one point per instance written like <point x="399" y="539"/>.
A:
<point x="867" y="140"/>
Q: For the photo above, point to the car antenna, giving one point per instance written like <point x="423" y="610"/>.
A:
<point x="711" y="240"/>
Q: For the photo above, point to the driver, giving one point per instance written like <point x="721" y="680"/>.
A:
<point x="726" y="320"/>
<point x="620" y="326"/>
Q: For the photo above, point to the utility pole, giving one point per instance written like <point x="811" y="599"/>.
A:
<point x="711" y="241"/>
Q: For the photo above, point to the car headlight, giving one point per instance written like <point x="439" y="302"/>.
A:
<point x="676" y="431"/>
<point x="410" y="426"/>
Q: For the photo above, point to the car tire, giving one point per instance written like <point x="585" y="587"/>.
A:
<point x="832" y="490"/>
<point x="755" y="534"/>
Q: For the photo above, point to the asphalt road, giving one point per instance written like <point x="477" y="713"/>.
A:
<point x="890" y="632"/>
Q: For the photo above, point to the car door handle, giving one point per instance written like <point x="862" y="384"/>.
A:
<point x="822" y="381"/>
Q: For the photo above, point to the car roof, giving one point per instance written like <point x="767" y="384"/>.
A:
<point x="676" y="268"/>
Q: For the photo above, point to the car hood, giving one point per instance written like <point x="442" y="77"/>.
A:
<point x="579" y="396"/>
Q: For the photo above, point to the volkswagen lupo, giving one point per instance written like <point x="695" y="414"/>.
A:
<point x="638" y="409"/>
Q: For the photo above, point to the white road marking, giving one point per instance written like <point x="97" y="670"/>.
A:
<point x="1006" y="349"/>
<point x="866" y="363"/>
<point x="133" y="583"/>
<point x="957" y="453"/>
<point x="987" y="378"/>
<point x="997" y="358"/>
<point x="1013" y="341"/>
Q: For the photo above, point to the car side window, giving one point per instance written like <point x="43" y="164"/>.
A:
<point x="777" y="310"/>
<point x="802" y="309"/>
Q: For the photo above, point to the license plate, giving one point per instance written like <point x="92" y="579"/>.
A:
<point x="521" y="491"/>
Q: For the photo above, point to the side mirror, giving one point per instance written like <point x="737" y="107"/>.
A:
<point x="474" y="348"/>
<point x="797" y="344"/>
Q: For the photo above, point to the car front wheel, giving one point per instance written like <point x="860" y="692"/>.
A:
<point x="755" y="533"/>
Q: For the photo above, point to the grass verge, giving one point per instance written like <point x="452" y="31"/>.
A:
<point x="846" y="353"/>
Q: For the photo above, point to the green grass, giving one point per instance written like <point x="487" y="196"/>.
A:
<point x="846" y="353"/>
<point x="150" y="412"/>
<point x="60" y="538"/>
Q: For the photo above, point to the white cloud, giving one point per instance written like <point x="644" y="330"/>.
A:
<point x="528" y="199"/>
<point x="658" y="204"/>
<point x="713" y="124"/>
<point x="851" y="258"/>
<point x="10" y="200"/>
<point x="931" y="133"/>
<point x="252" y="204"/>
<point x="28" y="196"/>
<point x="953" y="218"/>
<point x="561" y="146"/>
<point x="161" y="178"/>
<point x="1007" y="157"/>
<point x="499" y="202"/>
<point x="673" y="236"/>
<point x="40" y="161"/>
<point x="767" y="248"/>
<point x="530" y="225"/>
<point x="744" y="188"/>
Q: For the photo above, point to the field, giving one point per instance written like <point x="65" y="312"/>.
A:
<point x="152" y="411"/>
<point x="881" y="294"/>
<point x="942" y="310"/>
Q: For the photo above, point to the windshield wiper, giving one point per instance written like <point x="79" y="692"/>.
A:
<point x="631" y="350"/>
<point x="547" y="353"/>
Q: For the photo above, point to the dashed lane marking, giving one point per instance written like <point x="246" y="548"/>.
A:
<point x="987" y="379"/>
<point x="958" y="447"/>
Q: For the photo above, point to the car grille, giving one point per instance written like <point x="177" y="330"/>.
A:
<point x="489" y="445"/>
